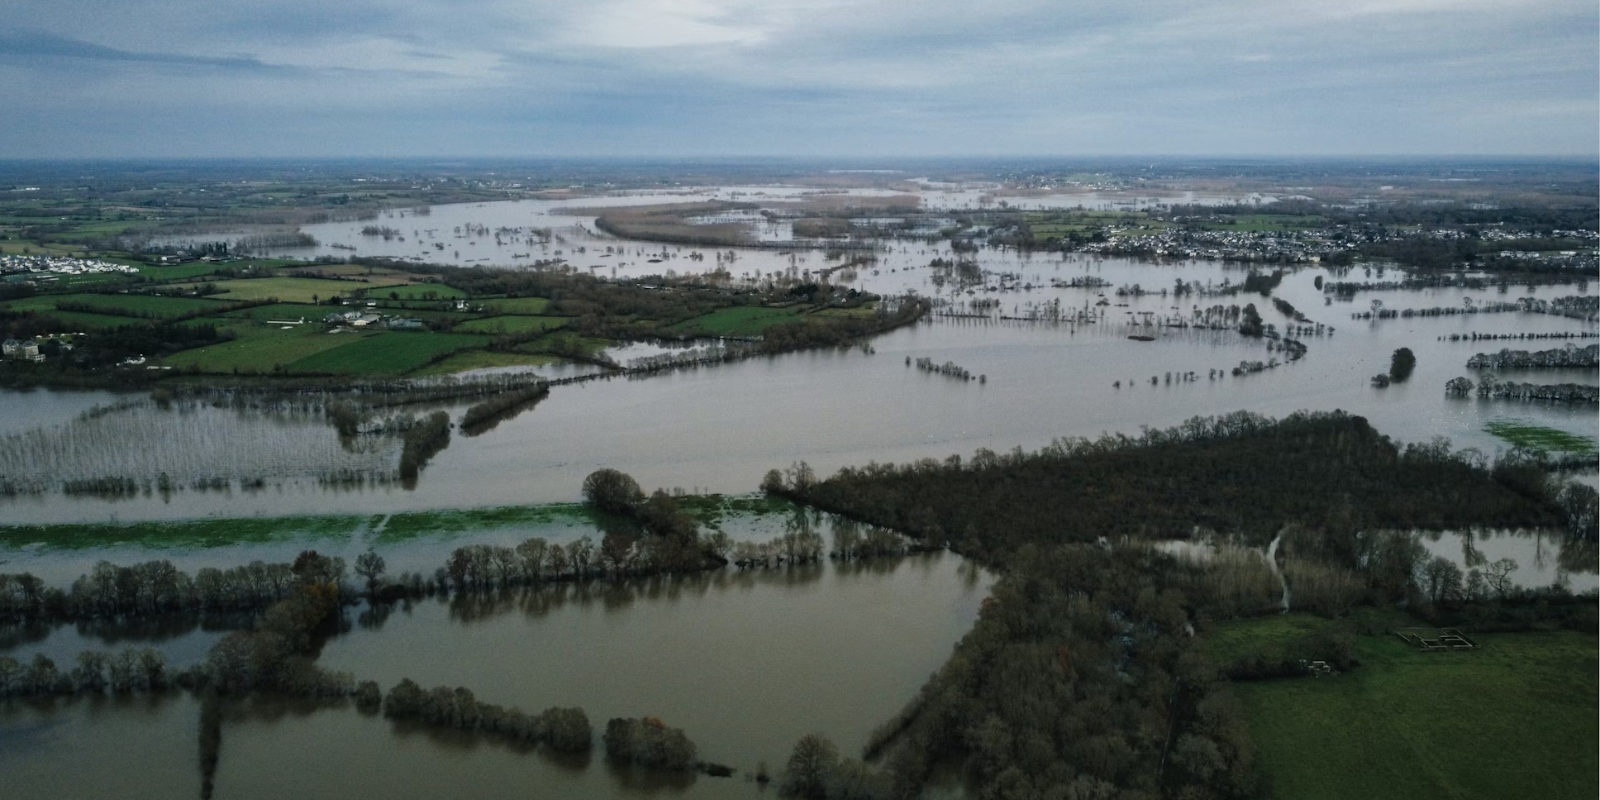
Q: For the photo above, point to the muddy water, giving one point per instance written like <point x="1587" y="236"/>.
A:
<point x="721" y="428"/>
<point x="746" y="663"/>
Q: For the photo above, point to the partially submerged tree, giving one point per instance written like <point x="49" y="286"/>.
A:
<point x="1401" y="364"/>
<point x="612" y="491"/>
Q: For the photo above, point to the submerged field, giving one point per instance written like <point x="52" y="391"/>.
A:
<point x="1539" y="437"/>
<point x="1515" y="718"/>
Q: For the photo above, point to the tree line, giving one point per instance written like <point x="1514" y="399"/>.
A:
<point x="1238" y="472"/>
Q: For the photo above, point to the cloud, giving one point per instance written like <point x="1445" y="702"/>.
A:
<point x="41" y="44"/>
<point x="771" y="76"/>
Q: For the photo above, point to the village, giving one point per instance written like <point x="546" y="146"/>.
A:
<point x="45" y="267"/>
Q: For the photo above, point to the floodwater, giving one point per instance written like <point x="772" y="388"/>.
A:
<point x="1543" y="559"/>
<point x="720" y="428"/>
<point x="745" y="662"/>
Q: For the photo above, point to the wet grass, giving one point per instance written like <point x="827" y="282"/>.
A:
<point x="1515" y="718"/>
<point x="182" y="533"/>
<point x="448" y="522"/>
<point x="1538" y="437"/>
<point x="711" y="510"/>
<point x="483" y="359"/>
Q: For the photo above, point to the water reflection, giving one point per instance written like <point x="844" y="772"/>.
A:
<point x="1543" y="558"/>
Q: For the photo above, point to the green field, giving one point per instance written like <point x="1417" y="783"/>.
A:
<point x="517" y="305"/>
<point x="284" y="311"/>
<point x="836" y="313"/>
<point x="1514" y="719"/>
<point x="482" y="359"/>
<point x="565" y="343"/>
<point x="421" y="291"/>
<point x="386" y="353"/>
<point x="79" y="322"/>
<point x="90" y="279"/>
<point x="181" y="533"/>
<point x="400" y="527"/>
<point x="1234" y="639"/>
<point x="162" y="307"/>
<point x="298" y="290"/>
<point x="512" y="324"/>
<point x="178" y="272"/>
<point x="259" y="348"/>
<point x="1538" y="437"/>
<point x="736" y="321"/>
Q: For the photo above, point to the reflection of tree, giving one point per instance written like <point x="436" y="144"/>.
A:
<point x="1578" y="555"/>
<point x="618" y="595"/>
<point x="1471" y="557"/>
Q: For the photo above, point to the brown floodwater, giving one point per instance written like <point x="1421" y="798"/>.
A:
<point x="745" y="662"/>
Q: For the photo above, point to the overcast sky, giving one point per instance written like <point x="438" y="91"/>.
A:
<point x="129" y="78"/>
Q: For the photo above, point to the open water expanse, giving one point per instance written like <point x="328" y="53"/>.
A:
<point x="746" y="663"/>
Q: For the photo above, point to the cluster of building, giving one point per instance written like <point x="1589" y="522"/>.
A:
<point x="21" y="349"/>
<point x="1285" y="247"/>
<point x="30" y="349"/>
<point x="58" y="265"/>
<point x="365" y="318"/>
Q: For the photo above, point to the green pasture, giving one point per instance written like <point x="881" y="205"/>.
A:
<point x="390" y="353"/>
<point x="298" y="290"/>
<point x="180" y="533"/>
<point x="736" y="321"/>
<point x="517" y="305"/>
<point x="512" y="324"/>
<point x="420" y="291"/>
<point x="259" y="348"/>
<point x="156" y="306"/>
<point x="1515" y="718"/>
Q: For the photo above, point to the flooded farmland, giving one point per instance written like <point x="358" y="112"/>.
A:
<point x="745" y="661"/>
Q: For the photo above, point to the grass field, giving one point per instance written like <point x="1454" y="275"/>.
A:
<point x="386" y="354"/>
<point x="260" y="348"/>
<point x="401" y="527"/>
<point x="179" y="272"/>
<point x="1538" y="437"/>
<point x="91" y="279"/>
<point x="79" y="322"/>
<point x="284" y="311"/>
<point x="163" y="307"/>
<point x="512" y="324"/>
<point x="1234" y="639"/>
<point x="736" y="321"/>
<point x="421" y="291"/>
<point x="181" y="533"/>
<point x="836" y="313"/>
<point x="483" y="359"/>
<point x="1513" y="719"/>
<point x="564" y="342"/>
<point x="518" y="305"/>
<point x="298" y="290"/>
